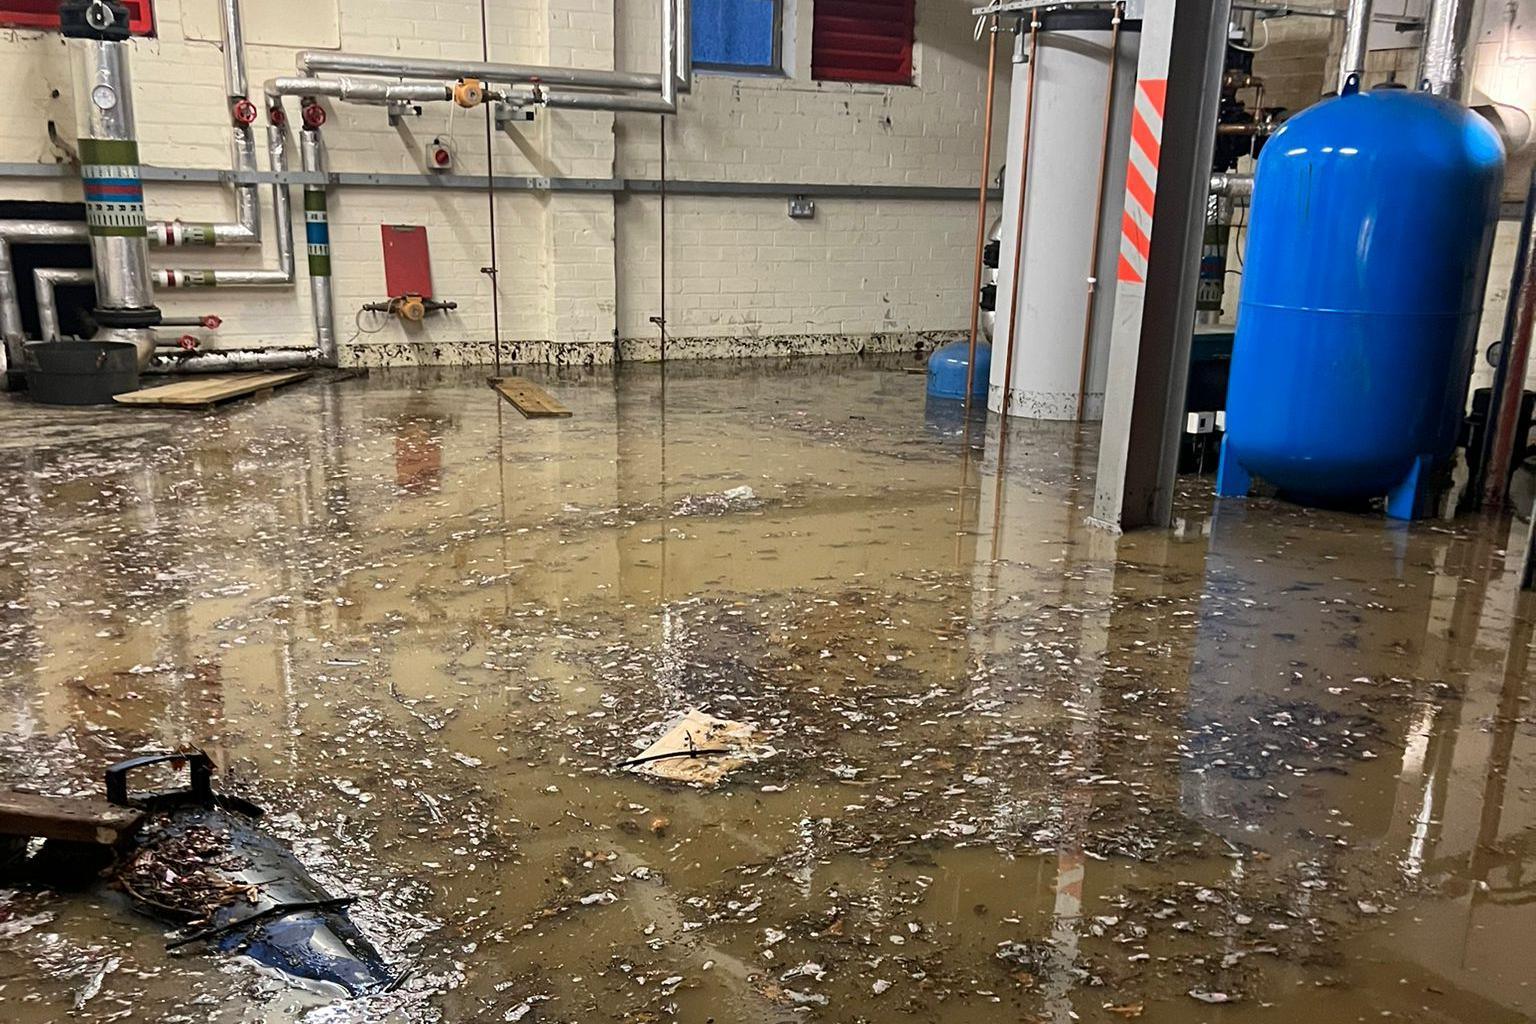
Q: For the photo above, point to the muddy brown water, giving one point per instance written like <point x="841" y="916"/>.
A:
<point x="1273" y="764"/>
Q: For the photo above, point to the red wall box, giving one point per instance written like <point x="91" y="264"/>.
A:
<point x="407" y="264"/>
<point x="44" y="14"/>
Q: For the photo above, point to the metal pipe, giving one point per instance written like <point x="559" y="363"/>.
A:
<point x="282" y="201"/>
<point x="245" y="230"/>
<point x="981" y="212"/>
<point x="684" y="65"/>
<point x="1232" y="185"/>
<point x="1450" y="33"/>
<point x="1098" y="212"/>
<point x="674" y="76"/>
<point x="1018" y="230"/>
<point x="317" y="232"/>
<point x="1357" y="32"/>
<point x="232" y="360"/>
<point x="30" y="232"/>
<point x="44" y="281"/>
<point x="310" y="62"/>
<point x="234" y="49"/>
<point x="1508" y="393"/>
<point x="669" y="54"/>
<point x="356" y="90"/>
<point x="607" y="101"/>
<point x="114" y="196"/>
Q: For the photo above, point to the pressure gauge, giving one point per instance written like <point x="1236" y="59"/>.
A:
<point x="104" y="96"/>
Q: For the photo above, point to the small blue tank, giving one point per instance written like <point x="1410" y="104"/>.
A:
<point x="1373" y="218"/>
<point x="946" y="370"/>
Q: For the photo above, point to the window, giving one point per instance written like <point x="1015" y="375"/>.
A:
<point x="862" y="41"/>
<point x="737" y="35"/>
<point x="44" y="14"/>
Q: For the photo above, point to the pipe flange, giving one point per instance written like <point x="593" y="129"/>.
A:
<point x="148" y="316"/>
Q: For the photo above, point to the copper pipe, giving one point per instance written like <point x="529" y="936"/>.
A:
<point x="1098" y="211"/>
<point x="1018" y="230"/>
<point x="981" y="215"/>
<point x="1504" y="417"/>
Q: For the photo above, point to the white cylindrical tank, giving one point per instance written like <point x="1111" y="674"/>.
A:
<point x="1071" y="81"/>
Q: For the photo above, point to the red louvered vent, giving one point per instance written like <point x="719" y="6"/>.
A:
<point x="44" y="14"/>
<point x="862" y="41"/>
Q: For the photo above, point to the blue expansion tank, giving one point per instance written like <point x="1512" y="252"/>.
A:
<point x="1373" y="217"/>
<point x="946" y="370"/>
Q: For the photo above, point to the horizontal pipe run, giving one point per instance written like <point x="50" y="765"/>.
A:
<point x="311" y="62"/>
<point x="231" y="360"/>
<point x="357" y="90"/>
<point x="608" y="101"/>
<point x="170" y="277"/>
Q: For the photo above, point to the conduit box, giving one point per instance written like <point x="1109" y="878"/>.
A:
<point x="407" y="263"/>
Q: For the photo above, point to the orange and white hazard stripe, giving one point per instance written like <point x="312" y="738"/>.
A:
<point x="1141" y="179"/>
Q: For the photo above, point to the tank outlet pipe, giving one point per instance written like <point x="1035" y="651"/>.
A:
<point x="1450" y="33"/>
<point x="97" y="31"/>
<point x="44" y="281"/>
<point x="1232" y="185"/>
<point x="1357" y="38"/>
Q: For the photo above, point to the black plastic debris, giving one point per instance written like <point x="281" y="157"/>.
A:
<point x="201" y="861"/>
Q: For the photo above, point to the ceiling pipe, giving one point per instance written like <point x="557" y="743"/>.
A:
<point x="1450" y="33"/>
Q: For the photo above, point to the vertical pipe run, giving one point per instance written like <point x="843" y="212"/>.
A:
<point x="114" y="194"/>
<point x="1018" y="230"/>
<point x="1357" y="33"/>
<point x="317" y="233"/>
<point x="1509" y="382"/>
<point x="981" y="212"/>
<point x="1098" y="211"/>
<point x="1450" y="32"/>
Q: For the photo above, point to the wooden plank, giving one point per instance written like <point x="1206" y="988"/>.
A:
<point x="76" y="819"/>
<point x="528" y="398"/>
<point x="199" y="392"/>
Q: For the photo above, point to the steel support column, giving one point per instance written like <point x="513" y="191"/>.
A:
<point x="1178" y="93"/>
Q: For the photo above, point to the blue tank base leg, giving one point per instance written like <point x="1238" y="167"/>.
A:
<point x="1413" y="498"/>
<point x="1232" y="480"/>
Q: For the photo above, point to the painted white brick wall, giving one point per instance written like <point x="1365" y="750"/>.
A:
<point x="576" y="269"/>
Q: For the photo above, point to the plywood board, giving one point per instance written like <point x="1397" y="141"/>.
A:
<point x="200" y="392"/>
<point x="75" y="819"/>
<point x="528" y="398"/>
<point x="672" y="757"/>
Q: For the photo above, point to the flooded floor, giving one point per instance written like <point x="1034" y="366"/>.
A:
<point x="1275" y="764"/>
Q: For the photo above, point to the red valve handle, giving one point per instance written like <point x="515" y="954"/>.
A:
<point x="277" y="115"/>
<point x="212" y="322"/>
<point x="314" y="114"/>
<point x="244" y="112"/>
<point x="187" y="343"/>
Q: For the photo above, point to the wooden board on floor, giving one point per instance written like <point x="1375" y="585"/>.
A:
<point x="75" y="819"/>
<point x="201" y="392"/>
<point x="528" y="398"/>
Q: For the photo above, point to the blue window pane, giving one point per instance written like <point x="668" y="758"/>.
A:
<point x="738" y="33"/>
